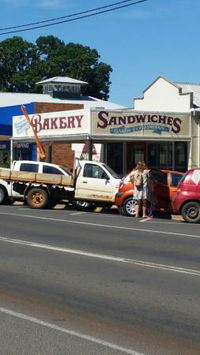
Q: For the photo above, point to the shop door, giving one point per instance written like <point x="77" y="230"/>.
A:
<point x="135" y="152"/>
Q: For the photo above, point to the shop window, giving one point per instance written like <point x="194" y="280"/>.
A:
<point x="160" y="156"/>
<point x="115" y="156"/>
<point x="135" y="153"/>
<point x="181" y="156"/>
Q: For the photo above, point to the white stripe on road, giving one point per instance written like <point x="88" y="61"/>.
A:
<point x="103" y="225"/>
<point x="69" y="332"/>
<point x="136" y="262"/>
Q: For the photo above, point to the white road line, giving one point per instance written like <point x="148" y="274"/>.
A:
<point x="136" y="262"/>
<point x="76" y="213"/>
<point x="104" y="225"/>
<point x="69" y="332"/>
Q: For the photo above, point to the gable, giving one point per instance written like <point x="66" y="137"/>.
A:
<point x="163" y="95"/>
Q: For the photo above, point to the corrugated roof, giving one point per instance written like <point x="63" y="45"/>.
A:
<point x="191" y="88"/>
<point x="12" y="99"/>
<point x="62" y="80"/>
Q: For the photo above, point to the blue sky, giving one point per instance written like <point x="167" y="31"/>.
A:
<point x="140" y="42"/>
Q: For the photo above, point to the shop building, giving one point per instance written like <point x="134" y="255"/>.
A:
<point x="59" y="94"/>
<point x="162" y="128"/>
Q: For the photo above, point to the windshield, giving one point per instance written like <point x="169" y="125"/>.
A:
<point x="111" y="171"/>
<point x="182" y="178"/>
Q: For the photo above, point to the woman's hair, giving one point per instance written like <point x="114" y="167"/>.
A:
<point x="141" y="166"/>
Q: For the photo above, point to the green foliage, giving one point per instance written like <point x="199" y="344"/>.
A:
<point x="22" y="64"/>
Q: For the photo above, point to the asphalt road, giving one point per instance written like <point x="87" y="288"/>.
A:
<point x="97" y="283"/>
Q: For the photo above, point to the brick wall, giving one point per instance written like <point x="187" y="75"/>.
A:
<point x="59" y="152"/>
<point x="41" y="107"/>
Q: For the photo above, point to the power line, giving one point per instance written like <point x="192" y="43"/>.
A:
<point x="75" y="17"/>
<point x="66" y="16"/>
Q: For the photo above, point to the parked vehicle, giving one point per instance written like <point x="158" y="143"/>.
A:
<point x="42" y="184"/>
<point x="7" y="193"/>
<point x="187" y="199"/>
<point x="164" y="185"/>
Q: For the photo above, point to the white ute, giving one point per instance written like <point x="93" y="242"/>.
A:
<point x="92" y="184"/>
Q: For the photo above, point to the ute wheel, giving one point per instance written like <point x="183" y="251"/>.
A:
<point x="191" y="212"/>
<point x="84" y="206"/>
<point x="128" y="207"/>
<point x="37" y="198"/>
<point x="3" y="196"/>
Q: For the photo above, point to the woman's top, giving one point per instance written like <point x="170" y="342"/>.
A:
<point x="144" y="190"/>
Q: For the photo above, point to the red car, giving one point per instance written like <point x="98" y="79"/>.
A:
<point x="164" y="185"/>
<point x="187" y="199"/>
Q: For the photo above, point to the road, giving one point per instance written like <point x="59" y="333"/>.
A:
<point x="97" y="283"/>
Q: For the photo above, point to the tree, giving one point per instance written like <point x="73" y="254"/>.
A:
<point x="22" y="64"/>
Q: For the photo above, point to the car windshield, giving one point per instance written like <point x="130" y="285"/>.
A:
<point x="111" y="171"/>
<point x="182" y="178"/>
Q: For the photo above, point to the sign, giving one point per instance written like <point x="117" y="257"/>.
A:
<point x="52" y="124"/>
<point x="137" y="124"/>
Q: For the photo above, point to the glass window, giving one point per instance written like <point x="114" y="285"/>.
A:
<point x="94" y="171"/>
<point x="181" y="156"/>
<point x="175" y="178"/>
<point x="51" y="170"/>
<point x="160" y="156"/>
<point x="115" y="156"/>
<point x="159" y="176"/>
<point x="29" y="167"/>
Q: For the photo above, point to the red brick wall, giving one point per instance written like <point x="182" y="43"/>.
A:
<point x="41" y="107"/>
<point x="62" y="152"/>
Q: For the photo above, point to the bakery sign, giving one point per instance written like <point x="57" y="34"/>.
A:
<point x="132" y="123"/>
<point x="52" y="124"/>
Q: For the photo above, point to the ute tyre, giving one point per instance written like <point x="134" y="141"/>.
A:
<point x="128" y="207"/>
<point x="191" y="212"/>
<point x="84" y="206"/>
<point x="37" y="198"/>
<point x="3" y="196"/>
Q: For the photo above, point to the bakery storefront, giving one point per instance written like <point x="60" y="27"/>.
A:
<point x="163" y="140"/>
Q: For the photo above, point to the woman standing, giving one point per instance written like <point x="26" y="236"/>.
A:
<point x="142" y="189"/>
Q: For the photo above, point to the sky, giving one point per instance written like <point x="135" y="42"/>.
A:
<point x="139" y="42"/>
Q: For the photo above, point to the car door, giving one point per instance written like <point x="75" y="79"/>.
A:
<point x="95" y="183"/>
<point x="160" y="190"/>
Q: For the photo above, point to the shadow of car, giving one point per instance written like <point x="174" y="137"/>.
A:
<point x="164" y="186"/>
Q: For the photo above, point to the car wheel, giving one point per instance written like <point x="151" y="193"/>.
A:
<point x="128" y="207"/>
<point x="84" y="205"/>
<point x="191" y="212"/>
<point x="3" y="196"/>
<point x="37" y="198"/>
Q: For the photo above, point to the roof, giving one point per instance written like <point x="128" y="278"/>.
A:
<point x="12" y="99"/>
<point x="191" y="88"/>
<point x="62" y="80"/>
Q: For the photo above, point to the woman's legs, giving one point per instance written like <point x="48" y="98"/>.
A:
<point x="144" y="208"/>
<point x="138" y="208"/>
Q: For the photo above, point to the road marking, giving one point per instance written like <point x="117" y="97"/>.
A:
<point x="76" y="213"/>
<point x="136" y="262"/>
<point x="103" y="225"/>
<point x="69" y="332"/>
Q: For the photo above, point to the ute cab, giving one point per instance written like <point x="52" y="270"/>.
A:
<point x="96" y="182"/>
